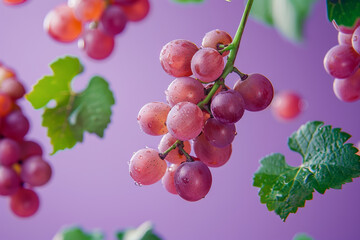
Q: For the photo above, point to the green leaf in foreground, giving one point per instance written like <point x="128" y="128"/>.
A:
<point x="327" y="163"/>
<point x="143" y="232"/>
<point x="287" y="16"/>
<point x="74" y="113"/>
<point x="76" y="233"/>
<point x="345" y="13"/>
<point x="302" y="236"/>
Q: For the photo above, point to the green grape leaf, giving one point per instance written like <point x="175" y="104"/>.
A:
<point x="76" y="233"/>
<point x="345" y="13"/>
<point x="74" y="113"/>
<point x="188" y="1"/>
<point x="302" y="236"/>
<point x="327" y="163"/>
<point x="143" y="232"/>
<point x="287" y="16"/>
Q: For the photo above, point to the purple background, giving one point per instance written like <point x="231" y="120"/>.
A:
<point x="91" y="185"/>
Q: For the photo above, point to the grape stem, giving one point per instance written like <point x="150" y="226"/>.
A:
<point x="243" y="76"/>
<point x="229" y="67"/>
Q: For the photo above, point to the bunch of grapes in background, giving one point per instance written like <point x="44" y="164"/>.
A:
<point x="343" y="62"/>
<point x="200" y="115"/>
<point x="14" y="2"/>
<point x="95" y="23"/>
<point x="21" y="164"/>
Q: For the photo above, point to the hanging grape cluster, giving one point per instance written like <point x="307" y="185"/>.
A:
<point x="94" y="22"/>
<point x="22" y="166"/>
<point x="343" y="61"/>
<point x="200" y="115"/>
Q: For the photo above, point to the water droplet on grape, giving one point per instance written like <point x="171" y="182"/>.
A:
<point x="138" y="184"/>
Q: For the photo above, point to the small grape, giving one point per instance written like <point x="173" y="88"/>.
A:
<point x="97" y="44"/>
<point x="348" y="89"/>
<point x="15" y="125"/>
<point x="87" y="10"/>
<point x="24" y="203"/>
<point x="113" y="20"/>
<point x="9" y="181"/>
<point x="257" y="92"/>
<point x="168" y="179"/>
<point x="175" y="57"/>
<point x="184" y="89"/>
<point x="215" y="37"/>
<point x="227" y="106"/>
<point x="152" y="118"/>
<point x="209" y="154"/>
<point x="355" y="40"/>
<point x="146" y="167"/>
<point x="9" y="152"/>
<point x="341" y="61"/>
<point x="344" y="39"/>
<point x="62" y="25"/>
<point x="35" y="171"/>
<point x="174" y="156"/>
<point x="287" y="105"/>
<point x="219" y="134"/>
<point x="185" y="121"/>
<point x="136" y="11"/>
<point x="192" y="180"/>
<point x="207" y="64"/>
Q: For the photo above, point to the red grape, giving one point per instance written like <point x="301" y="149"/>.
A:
<point x="348" y="89"/>
<point x="136" y="11"/>
<point x="219" y="134"/>
<point x="29" y="148"/>
<point x="207" y="64"/>
<point x="9" y="181"/>
<point x="5" y="104"/>
<point x="168" y="179"/>
<point x="87" y="10"/>
<point x="344" y="39"/>
<point x="152" y="118"/>
<point x="15" y="125"/>
<point x="9" y="152"/>
<point x="215" y="37"/>
<point x="287" y="105"/>
<point x="227" y="106"/>
<point x="355" y="40"/>
<point x="97" y="44"/>
<point x="14" y="2"/>
<point x="35" y="171"/>
<point x="24" y="203"/>
<point x="12" y="88"/>
<point x="113" y="20"/>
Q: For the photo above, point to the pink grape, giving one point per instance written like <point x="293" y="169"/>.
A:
<point x="219" y="134"/>
<point x="207" y="64"/>
<point x="35" y="171"/>
<point x="29" y="148"/>
<point x="174" y="156"/>
<point x="287" y="105"/>
<point x="184" y="89"/>
<point x="347" y="30"/>
<point x="168" y="179"/>
<point x="15" y="125"/>
<point x="257" y="92"/>
<point x="215" y="37"/>
<point x="348" y="89"/>
<point x="344" y="39"/>
<point x="9" y="181"/>
<point x="227" y="106"/>
<point x="9" y="152"/>
<point x="87" y="10"/>
<point x="185" y="121"/>
<point x="193" y="180"/>
<point x="355" y="40"/>
<point x="175" y="57"/>
<point x="136" y="11"/>
<point x="113" y="20"/>
<point x="12" y="88"/>
<point x="146" y="167"/>
<point x="341" y="61"/>
<point x="97" y="44"/>
<point x="24" y="203"/>
<point x="210" y="155"/>
<point x="152" y="118"/>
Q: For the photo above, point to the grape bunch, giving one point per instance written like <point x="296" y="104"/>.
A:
<point x="95" y="23"/>
<point x="343" y="61"/>
<point x="200" y="115"/>
<point x="22" y="166"/>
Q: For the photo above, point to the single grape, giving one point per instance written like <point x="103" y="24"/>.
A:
<point x="97" y="44"/>
<point x="136" y="11"/>
<point x="207" y="64"/>
<point x="209" y="154"/>
<point x="219" y="134"/>
<point x="29" y="148"/>
<point x="15" y="125"/>
<point x="6" y="104"/>
<point x="348" y="89"/>
<point x="146" y="167"/>
<point x="215" y="37"/>
<point x="175" y="57"/>
<point x="257" y="92"/>
<point x="344" y="39"/>
<point x="9" y="181"/>
<point x="123" y="2"/>
<point x="5" y="73"/>
<point x="62" y="25"/>
<point x="287" y="105"/>
<point x="87" y="10"/>
<point x="168" y="179"/>
<point x="227" y="106"/>
<point x="174" y="156"/>
<point x="35" y="171"/>
<point x="347" y="30"/>
<point x="14" y="2"/>
<point x="12" y="88"/>
<point x="185" y="121"/>
<point x="355" y="40"/>
<point x="184" y="89"/>
<point x="113" y="20"/>
<point x="192" y="180"/>
<point x="341" y="61"/>
<point x="9" y="152"/>
<point x="152" y="118"/>
<point x="24" y="203"/>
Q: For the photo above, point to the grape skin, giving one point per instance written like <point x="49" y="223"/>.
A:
<point x="152" y="118"/>
<point x="9" y="152"/>
<point x="113" y="21"/>
<point x="97" y="44"/>
<point x="24" y="203"/>
<point x="168" y="179"/>
<point x="215" y="37"/>
<point x="173" y="156"/>
<point x="35" y="171"/>
<point x="207" y="65"/>
<point x="136" y="11"/>
<point x="192" y="180"/>
<point x="227" y="106"/>
<point x="5" y="104"/>
<point x="219" y="134"/>
<point x="146" y="167"/>
<point x="344" y="39"/>
<point x="15" y="125"/>
<point x="348" y="89"/>
<point x="9" y="181"/>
